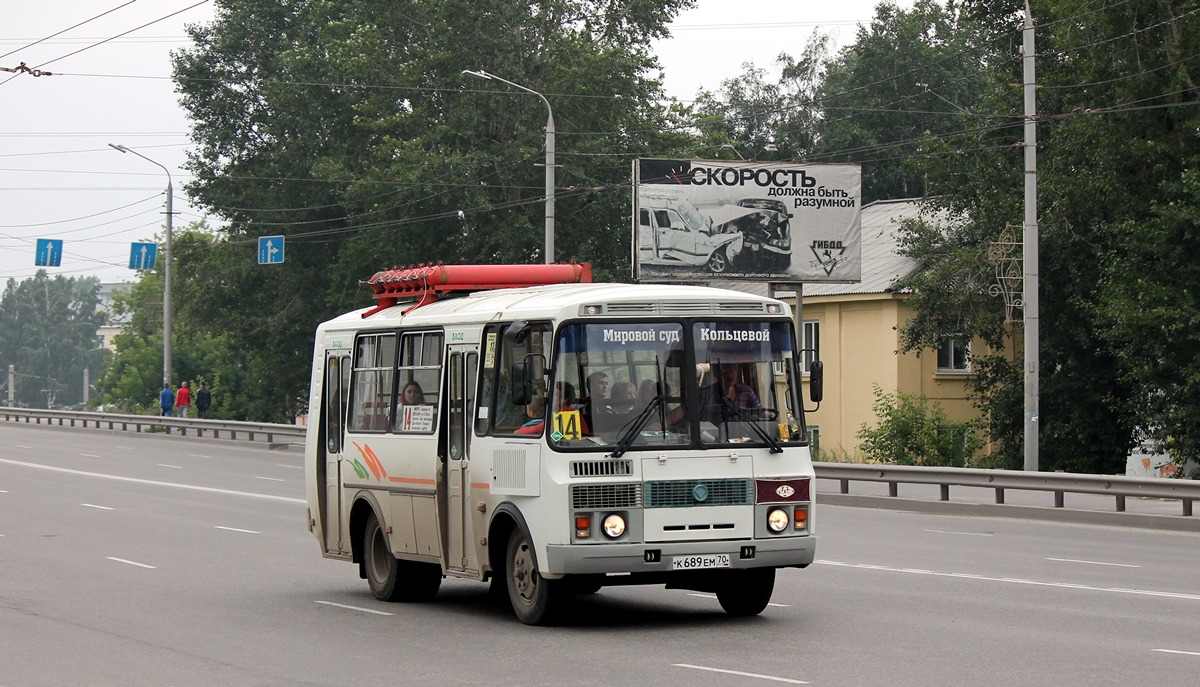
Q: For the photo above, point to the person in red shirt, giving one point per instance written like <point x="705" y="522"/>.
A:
<point x="183" y="400"/>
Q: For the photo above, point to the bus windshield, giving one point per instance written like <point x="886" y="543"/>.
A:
<point x="627" y="386"/>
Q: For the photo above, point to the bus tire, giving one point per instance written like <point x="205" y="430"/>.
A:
<point x="392" y="579"/>
<point x="534" y="599"/>
<point x="746" y="592"/>
<point x="382" y="568"/>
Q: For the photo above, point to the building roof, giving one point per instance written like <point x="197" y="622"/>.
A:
<point x="882" y="265"/>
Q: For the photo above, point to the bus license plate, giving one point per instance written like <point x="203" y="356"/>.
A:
<point x="711" y="560"/>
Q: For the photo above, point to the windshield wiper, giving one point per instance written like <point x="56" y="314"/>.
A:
<point x="635" y="427"/>
<point x="737" y="412"/>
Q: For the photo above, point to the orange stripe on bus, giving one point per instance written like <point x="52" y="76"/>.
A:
<point x="411" y="480"/>
<point x="480" y="485"/>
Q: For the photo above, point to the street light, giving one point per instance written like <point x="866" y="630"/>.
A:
<point x="549" y="156"/>
<point x="166" y="267"/>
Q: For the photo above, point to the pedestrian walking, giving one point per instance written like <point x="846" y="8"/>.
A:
<point x="183" y="399"/>
<point x="166" y="400"/>
<point x="203" y="400"/>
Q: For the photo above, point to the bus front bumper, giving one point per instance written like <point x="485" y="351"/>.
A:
<point x="590" y="559"/>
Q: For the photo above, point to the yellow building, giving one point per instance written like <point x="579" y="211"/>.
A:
<point x="855" y="329"/>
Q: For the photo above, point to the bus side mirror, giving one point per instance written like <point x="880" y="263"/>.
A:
<point x="517" y="332"/>
<point x="522" y="383"/>
<point x="816" y="381"/>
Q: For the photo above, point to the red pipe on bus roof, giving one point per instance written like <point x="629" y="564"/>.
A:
<point x="428" y="282"/>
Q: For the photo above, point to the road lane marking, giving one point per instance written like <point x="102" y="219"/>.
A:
<point x="198" y="455"/>
<point x="713" y="596"/>
<point x="89" y="455"/>
<point x="1175" y="651"/>
<point x="136" y="480"/>
<point x="1073" y="560"/>
<point x="972" y="534"/>
<point x="742" y="674"/>
<point x="1016" y="580"/>
<point x="234" y="529"/>
<point x="124" y="448"/>
<point x="122" y="560"/>
<point x="293" y="467"/>
<point x="175" y="467"/>
<point x="355" y="608"/>
<point x="271" y="479"/>
<point x="23" y="446"/>
<point x="92" y="505"/>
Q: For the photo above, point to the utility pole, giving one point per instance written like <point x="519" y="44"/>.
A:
<point x="166" y="263"/>
<point x="549" y="231"/>
<point x="1030" y="241"/>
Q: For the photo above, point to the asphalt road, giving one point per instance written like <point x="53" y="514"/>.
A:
<point x="130" y="560"/>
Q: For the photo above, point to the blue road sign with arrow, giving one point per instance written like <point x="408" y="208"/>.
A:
<point x="270" y="250"/>
<point x="141" y="256"/>
<point x="49" y="253"/>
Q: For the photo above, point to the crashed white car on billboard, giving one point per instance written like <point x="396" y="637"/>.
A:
<point x="793" y="222"/>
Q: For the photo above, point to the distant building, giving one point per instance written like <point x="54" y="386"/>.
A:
<point x="855" y="329"/>
<point x="112" y="323"/>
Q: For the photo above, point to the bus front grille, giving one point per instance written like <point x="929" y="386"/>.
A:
<point x="699" y="492"/>
<point x="602" y="496"/>
<point x="601" y="468"/>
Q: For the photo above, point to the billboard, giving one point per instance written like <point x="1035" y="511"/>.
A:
<point x="699" y="220"/>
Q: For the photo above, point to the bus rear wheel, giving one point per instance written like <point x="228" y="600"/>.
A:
<point x="747" y="592"/>
<point x="534" y="598"/>
<point x="392" y="579"/>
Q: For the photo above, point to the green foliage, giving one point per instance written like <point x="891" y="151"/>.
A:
<point x="1151" y="290"/>
<point x="200" y="351"/>
<point x="48" y="334"/>
<point x="913" y="431"/>
<point x="349" y="128"/>
<point x="1116" y="97"/>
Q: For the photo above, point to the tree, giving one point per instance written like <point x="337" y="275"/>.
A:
<point x="910" y="77"/>
<point x="200" y="350"/>
<point x="912" y="431"/>
<point x="1117" y="103"/>
<point x="349" y="128"/>
<point x="48" y="334"/>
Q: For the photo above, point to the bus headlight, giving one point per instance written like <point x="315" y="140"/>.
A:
<point x="614" y="525"/>
<point x="777" y="520"/>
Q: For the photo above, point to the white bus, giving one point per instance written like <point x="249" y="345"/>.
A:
<point x="558" y="438"/>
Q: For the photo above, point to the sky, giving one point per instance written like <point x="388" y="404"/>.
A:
<point x="110" y="84"/>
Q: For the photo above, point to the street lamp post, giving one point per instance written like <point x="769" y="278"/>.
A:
<point x="549" y="156"/>
<point x="166" y="267"/>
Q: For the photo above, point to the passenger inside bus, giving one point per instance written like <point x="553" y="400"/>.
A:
<point x="624" y="396"/>
<point x="535" y="419"/>
<point x="411" y="395"/>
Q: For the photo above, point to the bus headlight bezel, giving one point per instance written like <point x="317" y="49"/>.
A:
<point x="614" y="525"/>
<point x="778" y="520"/>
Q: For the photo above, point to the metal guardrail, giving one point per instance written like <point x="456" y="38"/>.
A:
<point x="216" y="429"/>
<point x="1117" y="486"/>
<point x="1060" y="483"/>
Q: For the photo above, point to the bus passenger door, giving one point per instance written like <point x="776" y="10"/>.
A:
<point x="334" y="398"/>
<point x="460" y="409"/>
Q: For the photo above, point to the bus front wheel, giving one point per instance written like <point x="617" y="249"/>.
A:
<point x="747" y="592"/>
<point x="533" y="597"/>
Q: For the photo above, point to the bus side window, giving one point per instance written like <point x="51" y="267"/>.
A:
<point x="497" y="413"/>
<point x="371" y="395"/>
<point x="418" y="382"/>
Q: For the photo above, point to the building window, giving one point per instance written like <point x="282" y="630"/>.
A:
<point x="954" y="354"/>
